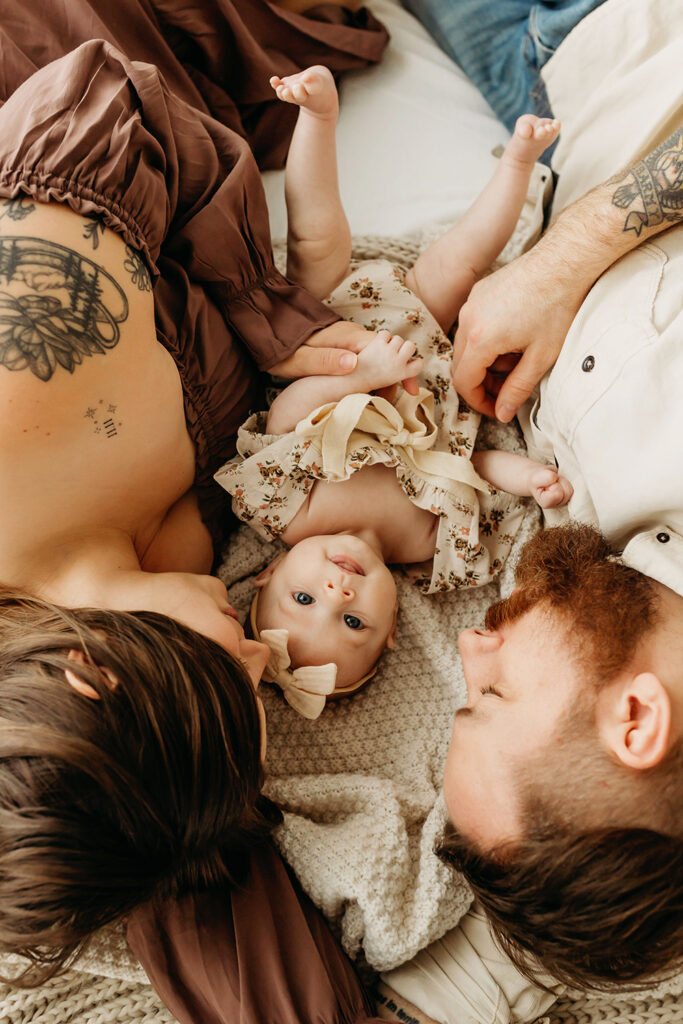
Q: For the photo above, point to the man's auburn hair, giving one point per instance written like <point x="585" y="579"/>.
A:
<point x="595" y="889"/>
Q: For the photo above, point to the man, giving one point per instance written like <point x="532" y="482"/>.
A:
<point x="609" y="414"/>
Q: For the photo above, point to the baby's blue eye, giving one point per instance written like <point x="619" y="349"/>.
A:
<point x="301" y="597"/>
<point x="353" y="622"/>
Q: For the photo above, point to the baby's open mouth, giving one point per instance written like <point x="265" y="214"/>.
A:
<point x="348" y="564"/>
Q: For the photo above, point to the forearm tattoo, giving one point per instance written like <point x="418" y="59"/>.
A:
<point x="71" y="309"/>
<point x="653" y="188"/>
<point x="397" y="1011"/>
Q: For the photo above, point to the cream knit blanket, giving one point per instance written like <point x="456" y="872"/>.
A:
<point x="360" y="788"/>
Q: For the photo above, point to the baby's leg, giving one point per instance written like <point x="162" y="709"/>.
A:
<point x="446" y="271"/>
<point x="519" y="475"/>
<point x="318" y="235"/>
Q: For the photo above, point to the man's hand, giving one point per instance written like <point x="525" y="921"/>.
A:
<point x="510" y="331"/>
<point x="332" y="351"/>
<point x="513" y="325"/>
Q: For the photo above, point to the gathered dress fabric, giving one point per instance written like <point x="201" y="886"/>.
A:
<point x="147" y="115"/>
<point x="256" y="954"/>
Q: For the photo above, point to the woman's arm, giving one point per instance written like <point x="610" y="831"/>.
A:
<point x="528" y="306"/>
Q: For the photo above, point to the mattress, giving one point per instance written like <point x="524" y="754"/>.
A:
<point x="414" y="138"/>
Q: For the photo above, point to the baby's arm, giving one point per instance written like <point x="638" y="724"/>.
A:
<point x="447" y="270"/>
<point x="318" y="235"/>
<point x="520" y="475"/>
<point x="385" y="360"/>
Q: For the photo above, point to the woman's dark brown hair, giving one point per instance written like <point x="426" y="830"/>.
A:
<point x="153" y="788"/>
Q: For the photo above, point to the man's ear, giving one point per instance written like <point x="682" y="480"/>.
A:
<point x="634" y="718"/>
<point x="265" y="574"/>
<point x="391" y="639"/>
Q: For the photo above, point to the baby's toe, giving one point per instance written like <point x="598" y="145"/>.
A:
<point x="524" y="127"/>
<point x="550" y="497"/>
<point x="544" y="476"/>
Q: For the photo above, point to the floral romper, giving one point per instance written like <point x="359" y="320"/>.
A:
<point x="428" y="439"/>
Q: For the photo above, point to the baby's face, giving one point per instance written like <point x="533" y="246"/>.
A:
<point x="337" y="599"/>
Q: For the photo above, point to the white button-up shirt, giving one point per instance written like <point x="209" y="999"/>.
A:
<point x="611" y="410"/>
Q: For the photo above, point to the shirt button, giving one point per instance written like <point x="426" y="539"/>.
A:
<point x="588" y="364"/>
<point x="663" y="538"/>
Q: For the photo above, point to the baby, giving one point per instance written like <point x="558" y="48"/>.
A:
<point x="328" y="606"/>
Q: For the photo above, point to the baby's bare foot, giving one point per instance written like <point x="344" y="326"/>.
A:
<point x="531" y="136"/>
<point x="312" y="90"/>
<point x="385" y="360"/>
<point x="549" y="488"/>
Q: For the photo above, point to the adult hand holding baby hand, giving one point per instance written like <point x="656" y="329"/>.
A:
<point x="331" y="351"/>
<point x="510" y="332"/>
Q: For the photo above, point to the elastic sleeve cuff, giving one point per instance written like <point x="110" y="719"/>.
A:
<point x="273" y="318"/>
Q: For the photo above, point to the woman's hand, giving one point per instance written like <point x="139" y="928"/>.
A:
<point x="510" y="332"/>
<point x="332" y="351"/>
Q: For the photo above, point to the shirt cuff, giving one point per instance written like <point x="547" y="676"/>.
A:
<point x="273" y="318"/>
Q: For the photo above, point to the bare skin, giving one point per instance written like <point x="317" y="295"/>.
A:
<point x="96" y="464"/>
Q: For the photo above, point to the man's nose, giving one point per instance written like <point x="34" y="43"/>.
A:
<point x="339" y="591"/>
<point x="478" y="641"/>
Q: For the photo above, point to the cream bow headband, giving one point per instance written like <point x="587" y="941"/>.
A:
<point x="305" y="688"/>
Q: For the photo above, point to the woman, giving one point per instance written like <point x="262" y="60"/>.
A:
<point x="137" y="298"/>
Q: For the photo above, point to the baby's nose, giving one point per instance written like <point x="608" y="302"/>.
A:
<point x="341" y="591"/>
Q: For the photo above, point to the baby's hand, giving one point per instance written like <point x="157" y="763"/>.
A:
<point x="549" y="488"/>
<point x="385" y="360"/>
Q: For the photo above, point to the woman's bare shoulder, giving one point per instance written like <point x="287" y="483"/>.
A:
<point x="93" y="405"/>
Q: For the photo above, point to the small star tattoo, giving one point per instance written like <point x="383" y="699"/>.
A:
<point x="90" y="414"/>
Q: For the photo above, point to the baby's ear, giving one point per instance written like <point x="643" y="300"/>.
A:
<point x="265" y="574"/>
<point x="391" y="639"/>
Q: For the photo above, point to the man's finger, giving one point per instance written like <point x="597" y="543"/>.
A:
<point x="519" y="385"/>
<point x="470" y="383"/>
<point x="312" y="362"/>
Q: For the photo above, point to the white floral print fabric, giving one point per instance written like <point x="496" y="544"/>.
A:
<point x="428" y="440"/>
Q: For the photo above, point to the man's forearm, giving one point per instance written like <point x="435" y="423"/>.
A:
<point x="631" y="207"/>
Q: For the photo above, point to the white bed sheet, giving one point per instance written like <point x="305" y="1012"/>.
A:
<point x="414" y="138"/>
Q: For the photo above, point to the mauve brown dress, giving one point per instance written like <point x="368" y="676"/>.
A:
<point x="145" y="113"/>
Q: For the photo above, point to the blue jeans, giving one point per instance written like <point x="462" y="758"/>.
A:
<point x="503" y="44"/>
